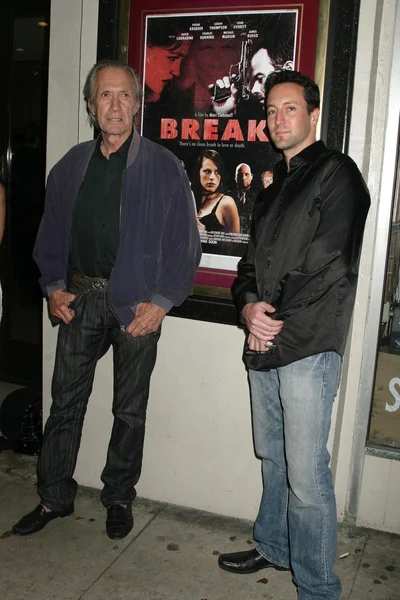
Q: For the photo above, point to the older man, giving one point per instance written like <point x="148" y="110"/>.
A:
<point x="118" y="246"/>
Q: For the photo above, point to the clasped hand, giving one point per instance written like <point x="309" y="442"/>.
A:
<point x="262" y="328"/>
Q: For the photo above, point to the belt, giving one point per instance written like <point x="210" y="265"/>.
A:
<point x="90" y="283"/>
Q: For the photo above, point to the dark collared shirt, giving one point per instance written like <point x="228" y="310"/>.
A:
<point x="303" y="254"/>
<point x="96" y="218"/>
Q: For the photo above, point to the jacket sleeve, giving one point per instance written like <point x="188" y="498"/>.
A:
<point x="181" y="248"/>
<point x="49" y="252"/>
<point x="335" y="249"/>
<point x="244" y="288"/>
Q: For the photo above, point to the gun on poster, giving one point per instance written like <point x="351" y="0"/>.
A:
<point x="236" y="86"/>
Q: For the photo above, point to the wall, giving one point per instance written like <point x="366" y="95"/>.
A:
<point x="198" y="449"/>
<point x="358" y="475"/>
<point x="373" y="493"/>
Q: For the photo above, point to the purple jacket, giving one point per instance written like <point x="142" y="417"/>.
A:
<point x="159" y="246"/>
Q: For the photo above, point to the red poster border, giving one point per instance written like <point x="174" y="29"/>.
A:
<point x="211" y="281"/>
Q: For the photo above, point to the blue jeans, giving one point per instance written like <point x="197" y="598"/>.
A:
<point x="80" y="345"/>
<point x="297" y="525"/>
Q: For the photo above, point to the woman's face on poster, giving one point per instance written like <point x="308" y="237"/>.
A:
<point x="213" y="58"/>
<point x="210" y="177"/>
<point x="162" y="64"/>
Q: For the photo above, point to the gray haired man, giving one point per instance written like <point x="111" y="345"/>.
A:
<point x="118" y="246"/>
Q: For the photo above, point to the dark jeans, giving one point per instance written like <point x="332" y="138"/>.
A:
<point x="80" y="345"/>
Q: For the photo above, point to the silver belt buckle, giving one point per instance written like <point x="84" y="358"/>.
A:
<point x="100" y="284"/>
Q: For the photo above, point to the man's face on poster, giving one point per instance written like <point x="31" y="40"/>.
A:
<point x="162" y="64"/>
<point x="244" y="177"/>
<point x="213" y="58"/>
<point x="260" y="67"/>
<point x="267" y="178"/>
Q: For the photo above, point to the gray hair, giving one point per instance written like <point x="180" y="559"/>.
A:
<point x="89" y="89"/>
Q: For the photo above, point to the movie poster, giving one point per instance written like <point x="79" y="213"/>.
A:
<point x="204" y="80"/>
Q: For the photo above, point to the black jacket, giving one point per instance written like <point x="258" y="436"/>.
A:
<point x="303" y="254"/>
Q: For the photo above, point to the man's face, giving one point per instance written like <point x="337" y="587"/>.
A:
<point x="260" y="67"/>
<point x="267" y="179"/>
<point x="244" y="177"/>
<point x="290" y="126"/>
<point x="115" y="105"/>
<point x="162" y="64"/>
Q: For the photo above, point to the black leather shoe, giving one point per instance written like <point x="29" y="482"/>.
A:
<point x="119" y="521"/>
<point x="37" y="519"/>
<point x="249" y="561"/>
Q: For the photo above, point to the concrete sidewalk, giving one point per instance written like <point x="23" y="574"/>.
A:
<point x="170" y="555"/>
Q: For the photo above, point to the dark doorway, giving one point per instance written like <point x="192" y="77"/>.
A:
<point x="24" y="46"/>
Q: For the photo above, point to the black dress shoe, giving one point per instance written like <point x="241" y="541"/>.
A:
<point x="249" y="561"/>
<point x="119" y="521"/>
<point x="37" y="519"/>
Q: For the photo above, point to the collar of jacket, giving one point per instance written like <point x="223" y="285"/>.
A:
<point x="308" y="155"/>
<point x="132" y="153"/>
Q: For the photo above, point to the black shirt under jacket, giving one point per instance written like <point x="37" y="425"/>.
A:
<point x="303" y="254"/>
<point x="95" y="225"/>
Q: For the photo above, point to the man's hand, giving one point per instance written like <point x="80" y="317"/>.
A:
<point x="59" y="305"/>
<point x="147" y="319"/>
<point x="229" y="90"/>
<point x="262" y="328"/>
